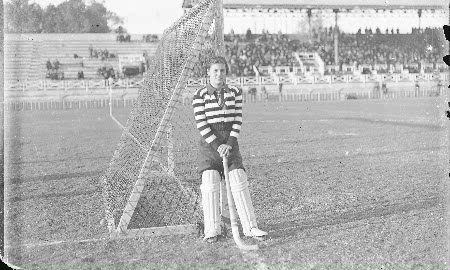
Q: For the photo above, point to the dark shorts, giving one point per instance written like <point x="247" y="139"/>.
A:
<point x="209" y="159"/>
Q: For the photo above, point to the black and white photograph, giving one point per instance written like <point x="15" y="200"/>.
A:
<point x="226" y="134"/>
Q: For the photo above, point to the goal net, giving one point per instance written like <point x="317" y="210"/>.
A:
<point x="151" y="186"/>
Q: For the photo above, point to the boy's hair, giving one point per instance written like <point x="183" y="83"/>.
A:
<point x="218" y="60"/>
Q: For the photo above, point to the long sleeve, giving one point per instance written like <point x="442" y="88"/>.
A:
<point x="237" y="123"/>
<point x="202" y="125"/>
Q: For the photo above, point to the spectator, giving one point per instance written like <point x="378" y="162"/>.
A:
<point x="264" y="93"/>
<point x="80" y="75"/>
<point x="49" y="65"/>
<point x="248" y="34"/>
<point x="56" y="65"/>
<point x="120" y="31"/>
<point x="110" y="80"/>
<point x="141" y="68"/>
<point x="91" y="50"/>
<point x="384" y="87"/>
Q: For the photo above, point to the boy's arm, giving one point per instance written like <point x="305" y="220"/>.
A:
<point x="237" y="123"/>
<point x="202" y="125"/>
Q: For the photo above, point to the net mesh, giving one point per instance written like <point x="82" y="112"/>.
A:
<point x="152" y="179"/>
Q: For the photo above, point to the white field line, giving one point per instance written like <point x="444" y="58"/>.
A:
<point x="43" y="244"/>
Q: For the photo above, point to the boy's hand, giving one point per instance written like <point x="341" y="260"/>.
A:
<point x="224" y="150"/>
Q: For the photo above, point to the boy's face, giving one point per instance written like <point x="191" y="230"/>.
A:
<point x="217" y="74"/>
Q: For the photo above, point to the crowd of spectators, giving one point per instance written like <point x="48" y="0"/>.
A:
<point x="150" y="38"/>
<point x="123" y="38"/>
<point x="409" y="50"/>
<point x="122" y="35"/>
<point x="107" y="72"/>
<point x="100" y="54"/>
<point x="247" y="52"/>
<point x="53" y="70"/>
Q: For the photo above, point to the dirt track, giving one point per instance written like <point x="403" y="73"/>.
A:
<point x="338" y="185"/>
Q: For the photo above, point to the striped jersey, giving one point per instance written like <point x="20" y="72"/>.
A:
<point x="209" y="114"/>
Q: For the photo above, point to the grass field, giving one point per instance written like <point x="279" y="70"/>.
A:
<point x="357" y="184"/>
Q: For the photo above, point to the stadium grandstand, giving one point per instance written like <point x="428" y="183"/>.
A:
<point x="26" y="55"/>
<point x="355" y="37"/>
<point x="301" y="40"/>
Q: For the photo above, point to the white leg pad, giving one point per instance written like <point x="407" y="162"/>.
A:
<point x="243" y="201"/>
<point x="210" y="189"/>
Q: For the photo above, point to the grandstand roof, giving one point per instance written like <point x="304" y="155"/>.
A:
<point x="330" y="4"/>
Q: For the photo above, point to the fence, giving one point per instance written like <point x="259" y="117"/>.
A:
<point x="92" y="85"/>
<point x="103" y="102"/>
<point x="66" y="104"/>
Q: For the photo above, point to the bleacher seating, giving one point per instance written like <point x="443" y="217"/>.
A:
<point x="358" y="53"/>
<point x="26" y="59"/>
<point x="18" y="56"/>
<point x="267" y="54"/>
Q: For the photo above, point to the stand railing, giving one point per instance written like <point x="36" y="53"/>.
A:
<point x="88" y="85"/>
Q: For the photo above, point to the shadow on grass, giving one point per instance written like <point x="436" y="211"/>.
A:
<point x="295" y="224"/>
<point x="52" y="177"/>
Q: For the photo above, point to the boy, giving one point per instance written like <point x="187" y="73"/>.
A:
<point x="218" y="114"/>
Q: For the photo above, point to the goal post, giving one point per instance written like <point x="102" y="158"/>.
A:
<point x="151" y="186"/>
